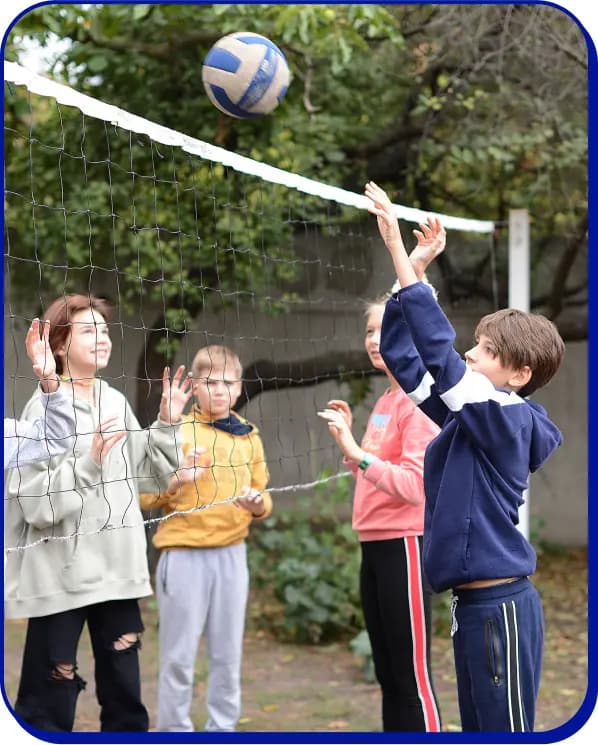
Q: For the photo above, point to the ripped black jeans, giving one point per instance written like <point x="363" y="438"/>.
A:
<point x="48" y="689"/>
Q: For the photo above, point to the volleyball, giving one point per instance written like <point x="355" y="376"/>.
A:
<point x="245" y="75"/>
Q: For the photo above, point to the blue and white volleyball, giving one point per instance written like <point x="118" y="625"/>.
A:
<point x="245" y="75"/>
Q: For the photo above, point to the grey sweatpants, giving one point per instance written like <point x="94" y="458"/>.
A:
<point x="201" y="590"/>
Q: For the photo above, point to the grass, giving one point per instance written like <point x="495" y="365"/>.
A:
<point x="290" y="687"/>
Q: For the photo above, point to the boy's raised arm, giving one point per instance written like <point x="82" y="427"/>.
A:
<point x="396" y="344"/>
<point x="431" y="238"/>
<point x="391" y="235"/>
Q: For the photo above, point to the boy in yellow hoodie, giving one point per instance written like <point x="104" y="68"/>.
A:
<point x="202" y="579"/>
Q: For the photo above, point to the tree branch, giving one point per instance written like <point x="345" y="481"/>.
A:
<point x="575" y="242"/>
<point x="164" y="51"/>
<point x="268" y="375"/>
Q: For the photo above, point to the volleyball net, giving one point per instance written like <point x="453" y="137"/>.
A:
<point x="194" y="245"/>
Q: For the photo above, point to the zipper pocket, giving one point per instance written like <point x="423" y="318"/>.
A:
<point x="494" y="656"/>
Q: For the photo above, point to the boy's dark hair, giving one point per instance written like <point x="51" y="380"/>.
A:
<point x="60" y="312"/>
<point x="525" y="339"/>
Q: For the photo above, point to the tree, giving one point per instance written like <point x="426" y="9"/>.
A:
<point x="457" y="109"/>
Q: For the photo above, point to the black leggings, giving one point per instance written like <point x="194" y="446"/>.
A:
<point x="396" y="607"/>
<point x="47" y="700"/>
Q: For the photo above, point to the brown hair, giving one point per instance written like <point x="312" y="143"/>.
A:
<point x="525" y="339"/>
<point x="60" y="313"/>
<point x="215" y="355"/>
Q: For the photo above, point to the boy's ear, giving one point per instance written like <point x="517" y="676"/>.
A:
<point x="520" y="377"/>
<point x="235" y="393"/>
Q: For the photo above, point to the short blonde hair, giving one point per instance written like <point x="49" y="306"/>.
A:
<point x="215" y="356"/>
<point x="380" y="300"/>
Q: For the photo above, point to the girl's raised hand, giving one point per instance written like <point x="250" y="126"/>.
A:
<point x="339" y="429"/>
<point x="40" y="354"/>
<point x="343" y="408"/>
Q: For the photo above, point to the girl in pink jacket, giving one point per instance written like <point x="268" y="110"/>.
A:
<point x="388" y="514"/>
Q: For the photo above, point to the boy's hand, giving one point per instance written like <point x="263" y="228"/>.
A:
<point x="431" y="242"/>
<point x="191" y="469"/>
<point x="40" y="354"/>
<point x="174" y="395"/>
<point x="252" y="501"/>
<point x="388" y="225"/>
<point x="340" y="430"/>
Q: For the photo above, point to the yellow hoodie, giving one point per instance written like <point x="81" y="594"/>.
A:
<point x="234" y="461"/>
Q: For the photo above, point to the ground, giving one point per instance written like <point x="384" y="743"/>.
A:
<point x="321" y="688"/>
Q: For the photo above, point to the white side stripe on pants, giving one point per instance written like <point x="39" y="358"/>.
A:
<point x="513" y="686"/>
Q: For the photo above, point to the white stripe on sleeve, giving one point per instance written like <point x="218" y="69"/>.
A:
<point x="475" y="388"/>
<point x="423" y="390"/>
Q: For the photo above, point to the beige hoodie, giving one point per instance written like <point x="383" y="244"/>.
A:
<point x="84" y="520"/>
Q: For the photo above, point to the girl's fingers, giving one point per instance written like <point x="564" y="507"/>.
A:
<point x="32" y="335"/>
<point x="106" y="423"/>
<point x="113" y="438"/>
<point x="330" y="419"/>
<point x="105" y="426"/>
<point x="335" y="403"/>
<point x="33" y="328"/>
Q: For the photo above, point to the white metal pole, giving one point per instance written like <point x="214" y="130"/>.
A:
<point x="519" y="289"/>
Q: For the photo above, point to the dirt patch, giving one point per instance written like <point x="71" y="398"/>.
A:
<point x="290" y="687"/>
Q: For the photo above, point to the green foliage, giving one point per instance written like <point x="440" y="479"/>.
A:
<point x="360" y="387"/>
<point x="304" y="563"/>
<point x="460" y="109"/>
<point x="361" y="647"/>
<point x="441" y="613"/>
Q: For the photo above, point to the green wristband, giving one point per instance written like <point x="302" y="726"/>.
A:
<point x="367" y="461"/>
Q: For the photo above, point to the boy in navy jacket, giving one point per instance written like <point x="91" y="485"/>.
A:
<point x="475" y="473"/>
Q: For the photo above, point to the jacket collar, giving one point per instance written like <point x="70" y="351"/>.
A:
<point x="232" y="424"/>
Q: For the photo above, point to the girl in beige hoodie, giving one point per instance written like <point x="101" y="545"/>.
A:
<point x="75" y="534"/>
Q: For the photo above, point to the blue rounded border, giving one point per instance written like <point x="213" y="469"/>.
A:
<point x="588" y="706"/>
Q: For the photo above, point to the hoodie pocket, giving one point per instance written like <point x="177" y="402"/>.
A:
<point x="465" y="543"/>
<point x="494" y="652"/>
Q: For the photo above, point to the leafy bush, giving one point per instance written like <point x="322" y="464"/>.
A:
<point x="361" y="647"/>
<point x="304" y="564"/>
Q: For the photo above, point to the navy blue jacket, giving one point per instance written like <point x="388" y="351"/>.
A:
<point x="476" y="469"/>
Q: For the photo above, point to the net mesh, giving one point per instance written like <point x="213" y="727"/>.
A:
<point x="193" y="245"/>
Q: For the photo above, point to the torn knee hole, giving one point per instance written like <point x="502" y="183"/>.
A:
<point x="127" y="641"/>
<point x="63" y="671"/>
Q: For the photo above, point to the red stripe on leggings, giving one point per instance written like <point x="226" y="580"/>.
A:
<point x="418" y="634"/>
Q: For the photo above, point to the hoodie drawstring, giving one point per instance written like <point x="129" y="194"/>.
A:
<point x="454" y="624"/>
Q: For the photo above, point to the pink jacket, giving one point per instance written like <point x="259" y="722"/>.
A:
<point x="389" y="494"/>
